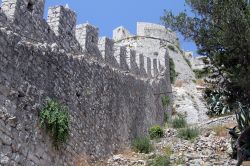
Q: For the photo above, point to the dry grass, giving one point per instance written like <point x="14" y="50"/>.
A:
<point x="200" y="82"/>
<point x="167" y="150"/>
<point x="178" y="83"/>
<point x="82" y="160"/>
<point x="246" y="163"/>
<point x="220" y="130"/>
<point x="130" y="154"/>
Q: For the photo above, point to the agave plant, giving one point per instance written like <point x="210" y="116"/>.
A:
<point x="243" y="117"/>
<point x="217" y="104"/>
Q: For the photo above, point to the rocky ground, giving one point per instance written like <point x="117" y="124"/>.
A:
<point x="211" y="147"/>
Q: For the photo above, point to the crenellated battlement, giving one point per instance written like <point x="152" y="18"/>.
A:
<point x="16" y="10"/>
<point x="61" y="31"/>
<point x="62" y="21"/>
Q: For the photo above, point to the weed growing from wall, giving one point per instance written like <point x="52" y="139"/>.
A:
<point x="172" y="48"/>
<point x="54" y="118"/>
<point x="173" y="73"/>
<point x="165" y="101"/>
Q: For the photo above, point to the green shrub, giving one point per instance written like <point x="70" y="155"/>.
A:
<point x="188" y="133"/>
<point x="165" y="101"/>
<point x="155" y="132"/>
<point x="179" y="122"/>
<point x="55" y="119"/>
<point x="173" y="73"/>
<point x="201" y="73"/>
<point x="142" y="145"/>
<point x="160" y="161"/>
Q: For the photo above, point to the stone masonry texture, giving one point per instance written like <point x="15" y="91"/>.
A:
<point x="107" y="86"/>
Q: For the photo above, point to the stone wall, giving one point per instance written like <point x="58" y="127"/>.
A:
<point x="109" y="89"/>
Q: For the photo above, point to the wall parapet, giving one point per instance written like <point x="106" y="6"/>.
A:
<point x="60" y="29"/>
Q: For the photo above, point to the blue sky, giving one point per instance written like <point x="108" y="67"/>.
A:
<point x="109" y="14"/>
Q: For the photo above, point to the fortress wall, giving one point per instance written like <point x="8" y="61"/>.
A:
<point x="113" y="90"/>
<point x="108" y="108"/>
<point x="155" y="31"/>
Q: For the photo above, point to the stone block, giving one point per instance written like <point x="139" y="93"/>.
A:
<point x="106" y="47"/>
<point x="87" y="36"/>
<point x="121" y="33"/>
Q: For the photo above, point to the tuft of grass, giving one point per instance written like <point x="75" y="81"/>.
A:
<point x="155" y="132"/>
<point x="160" y="161"/>
<point x="188" y="62"/>
<point x="142" y="145"/>
<point x="188" y="133"/>
<point x="179" y="122"/>
<point x="220" y="130"/>
<point x="167" y="150"/>
<point x="166" y="117"/>
<point x="179" y="161"/>
<point x="165" y="101"/>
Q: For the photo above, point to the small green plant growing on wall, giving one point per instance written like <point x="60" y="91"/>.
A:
<point x="155" y="132"/>
<point x="187" y="61"/>
<point x="173" y="73"/>
<point x="165" y="101"/>
<point x="55" y="119"/>
<point x="172" y="48"/>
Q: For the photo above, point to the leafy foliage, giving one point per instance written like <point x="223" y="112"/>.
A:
<point x="188" y="133"/>
<point x="173" y="73"/>
<point x="221" y="30"/>
<point x="155" y="132"/>
<point x="201" y="73"/>
<point x="55" y="119"/>
<point x="142" y="145"/>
